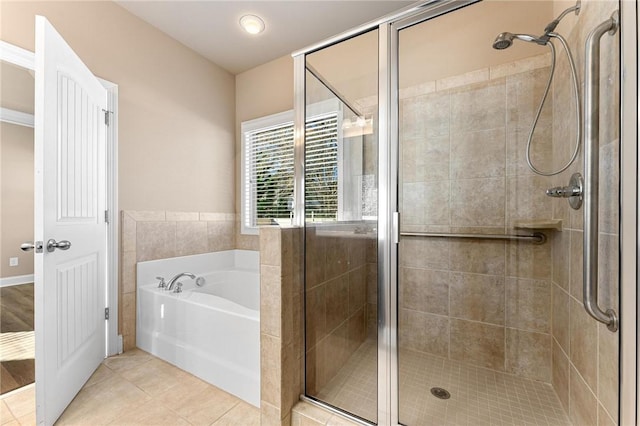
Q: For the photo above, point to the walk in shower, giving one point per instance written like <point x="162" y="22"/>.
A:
<point x="444" y="278"/>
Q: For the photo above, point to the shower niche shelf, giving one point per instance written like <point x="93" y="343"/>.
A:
<point x="552" y="224"/>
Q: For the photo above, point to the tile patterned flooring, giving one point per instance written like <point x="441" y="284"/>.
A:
<point x="136" y="388"/>
<point x="478" y="396"/>
<point x="18" y="407"/>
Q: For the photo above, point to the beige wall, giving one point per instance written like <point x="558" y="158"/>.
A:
<point x="17" y="87"/>
<point x="351" y="66"/>
<point x="425" y="50"/>
<point x="428" y="47"/>
<point x="176" y="116"/>
<point x="16" y="202"/>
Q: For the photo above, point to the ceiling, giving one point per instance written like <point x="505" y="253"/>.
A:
<point x="212" y="28"/>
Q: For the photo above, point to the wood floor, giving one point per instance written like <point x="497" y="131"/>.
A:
<point x="16" y="314"/>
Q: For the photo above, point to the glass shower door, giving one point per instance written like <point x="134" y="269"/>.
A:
<point x="341" y="226"/>
<point x="491" y="323"/>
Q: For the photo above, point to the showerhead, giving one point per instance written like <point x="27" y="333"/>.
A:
<point x="505" y="40"/>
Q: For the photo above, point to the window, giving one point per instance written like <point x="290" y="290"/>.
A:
<point x="321" y="167"/>
<point x="268" y="169"/>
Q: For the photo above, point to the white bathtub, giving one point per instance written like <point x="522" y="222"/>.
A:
<point x="211" y="331"/>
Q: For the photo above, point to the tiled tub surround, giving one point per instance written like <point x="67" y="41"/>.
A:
<point x="485" y="303"/>
<point x="585" y="353"/>
<point x="152" y="235"/>
<point x="212" y="330"/>
<point x="336" y="303"/>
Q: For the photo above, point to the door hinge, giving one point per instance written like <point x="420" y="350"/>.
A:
<point x="106" y="116"/>
<point x="106" y="313"/>
<point x="106" y="216"/>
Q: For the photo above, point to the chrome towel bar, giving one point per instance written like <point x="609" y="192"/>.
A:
<point x="591" y="131"/>
<point x="536" y="237"/>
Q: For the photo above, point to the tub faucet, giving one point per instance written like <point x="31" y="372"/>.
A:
<point x="173" y="280"/>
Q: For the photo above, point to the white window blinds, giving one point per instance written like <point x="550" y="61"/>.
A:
<point x="270" y="190"/>
<point x="321" y="167"/>
<point x="268" y="170"/>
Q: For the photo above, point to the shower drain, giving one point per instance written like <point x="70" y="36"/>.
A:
<point x="440" y="393"/>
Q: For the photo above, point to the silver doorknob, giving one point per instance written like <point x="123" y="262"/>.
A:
<point x="28" y="246"/>
<point x="52" y="245"/>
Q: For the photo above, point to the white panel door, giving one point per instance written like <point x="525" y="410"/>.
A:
<point x="69" y="206"/>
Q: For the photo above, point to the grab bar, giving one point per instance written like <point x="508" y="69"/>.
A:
<point x="536" y="237"/>
<point x="591" y="164"/>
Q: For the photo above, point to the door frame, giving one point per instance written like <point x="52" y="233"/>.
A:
<point x="26" y="59"/>
<point x="629" y="208"/>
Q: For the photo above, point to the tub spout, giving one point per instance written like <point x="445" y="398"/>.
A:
<point x="173" y="280"/>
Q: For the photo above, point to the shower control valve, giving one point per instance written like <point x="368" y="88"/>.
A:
<point x="161" y="283"/>
<point x="564" y="192"/>
<point x="573" y="191"/>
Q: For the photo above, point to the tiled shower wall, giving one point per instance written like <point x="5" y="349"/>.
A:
<point x="487" y="303"/>
<point x="585" y="353"/>
<point x="336" y="302"/>
<point x="151" y="235"/>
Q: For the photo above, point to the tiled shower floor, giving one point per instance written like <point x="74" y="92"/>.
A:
<point x="478" y="396"/>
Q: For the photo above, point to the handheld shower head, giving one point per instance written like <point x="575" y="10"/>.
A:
<point x="505" y="40"/>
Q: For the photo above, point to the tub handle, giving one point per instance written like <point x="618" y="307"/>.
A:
<point x="161" y="283"/>
<point x="178" y="288"/>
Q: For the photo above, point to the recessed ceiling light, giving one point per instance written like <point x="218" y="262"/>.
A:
<point x="252" y="24"/>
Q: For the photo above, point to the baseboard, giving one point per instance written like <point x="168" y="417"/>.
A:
<point x="20" y="279"/>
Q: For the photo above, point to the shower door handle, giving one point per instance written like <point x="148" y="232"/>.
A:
<point x="591" y="169"/>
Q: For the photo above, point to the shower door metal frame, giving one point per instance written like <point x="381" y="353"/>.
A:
<point x="629" y="362"/>
<point x="388" y="220"/>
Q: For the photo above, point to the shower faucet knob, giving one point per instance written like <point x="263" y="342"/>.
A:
<point x="573" y="191"/>
<point x="564" y="191"/>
